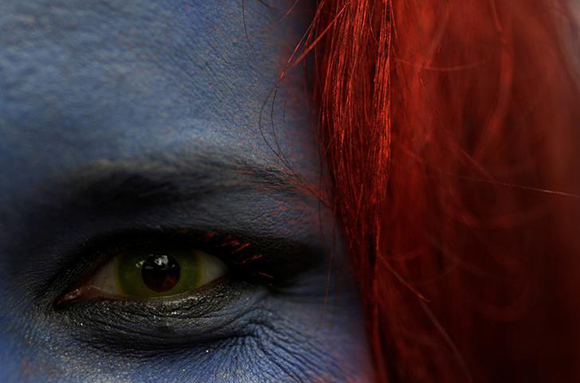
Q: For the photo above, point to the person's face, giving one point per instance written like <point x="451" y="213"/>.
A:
<point x="143" y="127"/>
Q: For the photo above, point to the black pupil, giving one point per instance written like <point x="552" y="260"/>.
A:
<point x="160" y="272"/>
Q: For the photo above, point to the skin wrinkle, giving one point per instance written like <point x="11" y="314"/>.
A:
<point x="276" y="332"/>
<point x="93" y="94"/>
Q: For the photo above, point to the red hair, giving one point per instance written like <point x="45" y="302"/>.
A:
<point x="452" y="134"/>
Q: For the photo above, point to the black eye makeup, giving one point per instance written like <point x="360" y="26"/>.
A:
<point x="142" y="265"/>
<point x="166" y="288"/>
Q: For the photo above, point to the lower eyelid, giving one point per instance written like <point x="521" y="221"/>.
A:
<point x="220" y="312"/>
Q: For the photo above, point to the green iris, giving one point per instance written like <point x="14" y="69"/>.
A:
<point x="148" y="274"/>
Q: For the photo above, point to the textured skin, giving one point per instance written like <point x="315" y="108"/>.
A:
<point x="85" y="82"/>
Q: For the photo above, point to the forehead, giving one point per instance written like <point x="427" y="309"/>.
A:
<point x="85" y="80"/>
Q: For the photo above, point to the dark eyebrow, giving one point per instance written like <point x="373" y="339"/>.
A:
<point x="130" y="184"/>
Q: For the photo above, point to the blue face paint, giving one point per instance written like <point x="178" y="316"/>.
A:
<point x="122" y="121"/>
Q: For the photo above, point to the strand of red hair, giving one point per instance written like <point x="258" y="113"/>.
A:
<point x="452" y="134"/>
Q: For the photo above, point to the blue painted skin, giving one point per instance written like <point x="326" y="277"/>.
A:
<point x="93" y="92"/>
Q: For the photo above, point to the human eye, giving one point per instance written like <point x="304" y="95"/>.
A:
<point x="164" y="269"/>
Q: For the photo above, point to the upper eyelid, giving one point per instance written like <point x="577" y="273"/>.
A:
<point x="56" y="235"/>
<point x="81" y="214"/>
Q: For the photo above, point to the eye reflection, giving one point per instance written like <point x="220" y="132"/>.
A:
<point x="160" y="273"/>
<point x="144" y="273"/>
